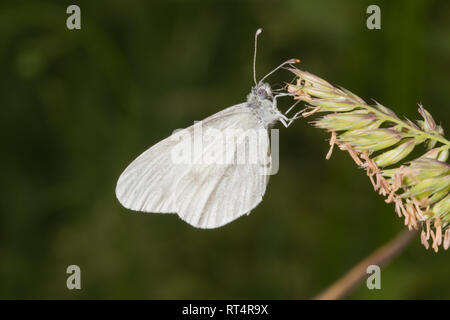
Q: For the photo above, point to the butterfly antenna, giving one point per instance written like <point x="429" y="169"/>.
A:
<point x="290" y="61"/>
<point x="258" y="32"/>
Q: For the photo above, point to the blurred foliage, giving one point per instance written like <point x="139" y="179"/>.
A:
<point x="78" y="106"/>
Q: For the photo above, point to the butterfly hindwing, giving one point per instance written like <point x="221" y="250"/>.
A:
<point x="154" y="183"/>
<point x="209" y="196"/>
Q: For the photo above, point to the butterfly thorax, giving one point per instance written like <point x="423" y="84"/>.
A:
<point x="260" y="99"/>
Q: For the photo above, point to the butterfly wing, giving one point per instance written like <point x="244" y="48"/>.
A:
<point x="151" y="183"/>
<point x="148" y="182"/>
<point x="210" y="196"/>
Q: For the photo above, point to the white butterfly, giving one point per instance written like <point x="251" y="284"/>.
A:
<point x="208" y="194"/>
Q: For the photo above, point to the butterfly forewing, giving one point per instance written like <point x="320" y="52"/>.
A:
<point x="215" y="186"/>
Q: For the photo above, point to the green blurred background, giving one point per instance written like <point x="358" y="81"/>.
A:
<point x="79" y="106"/>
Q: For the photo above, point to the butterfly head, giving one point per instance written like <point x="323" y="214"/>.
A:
<point x="262" y="91"/>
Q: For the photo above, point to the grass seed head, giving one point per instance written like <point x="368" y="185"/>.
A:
<point x="419" y="188"/>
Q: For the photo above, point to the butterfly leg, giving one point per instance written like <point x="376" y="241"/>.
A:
<point x="292" y="107"/>
<point x="274" y="101"/>
<point x="284" y="95"/>
<point x="287" y="121"/>
<point x="283" y="118"/>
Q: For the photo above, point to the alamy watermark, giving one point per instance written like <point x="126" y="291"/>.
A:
<point x="374" y="280"/>
<point x="74" y="20"/>
<point x="374" y="20"/>
<point x="205" y="145"/>
<point x="74" y="280"/>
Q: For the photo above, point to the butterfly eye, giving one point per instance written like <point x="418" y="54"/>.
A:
<point x="262" y="93"/>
